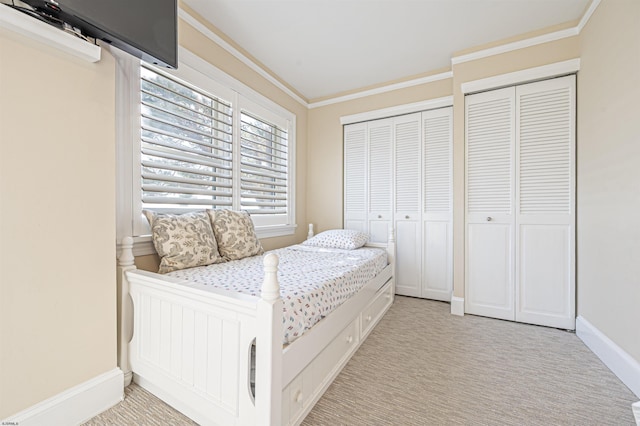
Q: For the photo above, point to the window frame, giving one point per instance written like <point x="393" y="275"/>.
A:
<point x="196" y="72"/>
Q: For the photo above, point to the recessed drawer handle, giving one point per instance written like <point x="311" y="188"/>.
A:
<point x="298" y="397"/>
<point x="349" y="339"/>
<point x="368" y="318"/>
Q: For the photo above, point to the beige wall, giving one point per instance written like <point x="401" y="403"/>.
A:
<point x="609" y="173"/>
<point x="517" y="60"/>
<point x="57" y="222"/>
<point x="325" y="156"/>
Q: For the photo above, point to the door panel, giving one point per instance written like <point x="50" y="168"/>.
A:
<point x="490" y="198"/>
<point x="544" y="276"/>
<point x="355" y="177"/>
<point x="380" y="178"/>
<point x="490" y="271"/>
<point x="408" y="258"/>
<point x="545" y="200"/>
<point x="436" y="276"/>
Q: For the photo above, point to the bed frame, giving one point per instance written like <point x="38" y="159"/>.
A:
<point x="192" y="348"/>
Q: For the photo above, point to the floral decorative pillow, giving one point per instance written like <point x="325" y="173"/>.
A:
<point x="235" y="234"/>
<point x="183" y="240"/>
<point x="346" y="239"/>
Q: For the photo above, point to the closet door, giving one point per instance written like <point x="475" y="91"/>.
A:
<point x="380" y="179"/>
<point x="490" y="198"/>
<point x="408" y="203"/>
<point x="355" y="177"/>
<point x="437" y="271"/>
<point x="545" y="176"/>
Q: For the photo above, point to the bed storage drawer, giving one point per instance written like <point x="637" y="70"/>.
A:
<point x="376" y="308"/>
<point x="307" y="386"/>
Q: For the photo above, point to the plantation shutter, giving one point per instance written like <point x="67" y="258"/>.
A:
<point x="186" y="145"/>
<point x="264" y="157"/>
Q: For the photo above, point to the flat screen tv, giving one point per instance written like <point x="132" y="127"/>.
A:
<point x="146" y="29"/>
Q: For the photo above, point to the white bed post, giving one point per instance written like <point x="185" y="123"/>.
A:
<point x="391" y="251"/>
<point x="125" y="308"/>
<point x="310" y="233"/>
<point x="269" y="347"/>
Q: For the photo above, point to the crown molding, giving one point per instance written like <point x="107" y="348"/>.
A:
<point x="383" y="89"/>
<point x="545" y="38"/>
<point x="533" y="41"/>
<point x="587" y="15"/>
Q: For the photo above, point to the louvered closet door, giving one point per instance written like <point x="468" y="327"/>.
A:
<point x="355" y="177"/>
<point x="437" y="271"/>
<point x="545" y="170"/>
<point x="380" y="178"/>
<point x="490" y="198"/>
<point x="408" y="203"/>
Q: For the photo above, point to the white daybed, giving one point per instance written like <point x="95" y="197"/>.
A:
<point x="192" y="348"/>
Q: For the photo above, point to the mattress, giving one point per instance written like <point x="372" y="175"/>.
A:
<point x="313" y="281"/>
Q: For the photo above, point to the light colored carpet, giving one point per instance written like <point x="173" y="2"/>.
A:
<point x="423" y="366"/>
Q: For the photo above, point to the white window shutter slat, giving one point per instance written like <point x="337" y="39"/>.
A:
<point x="263" y="166"/>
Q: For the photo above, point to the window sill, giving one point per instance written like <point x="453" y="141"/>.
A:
<point x="143" y="246"/>
<point x="45" y="34"/>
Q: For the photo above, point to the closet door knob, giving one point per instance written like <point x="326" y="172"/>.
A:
<point x="406" y="217"/>
<point x="489" y="219"/>
<point x="379" y="216"/>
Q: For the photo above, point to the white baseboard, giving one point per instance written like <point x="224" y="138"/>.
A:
<point x="76" y="405"/>
<point x="613" y="356"/>
<point x="636" y="411"/>
<point x="457" y="305"/>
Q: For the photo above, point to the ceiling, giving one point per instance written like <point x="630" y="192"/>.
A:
<point x="323" y="48"/>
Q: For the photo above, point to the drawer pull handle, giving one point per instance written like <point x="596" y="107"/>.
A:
<point x="368" y="318"/>
<point x="387" y="296"/>
<point x="349" y="339"/>
<point x="298" y="397"/>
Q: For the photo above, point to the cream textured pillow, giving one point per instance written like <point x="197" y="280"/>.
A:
<point x="235" y="234"/>
<point x="346" y="239"/>
<point x="183" y="240"/>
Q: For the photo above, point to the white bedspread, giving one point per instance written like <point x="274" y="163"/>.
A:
<point x="313" y="281"/>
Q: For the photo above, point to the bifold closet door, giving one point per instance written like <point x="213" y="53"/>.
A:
<point x="437" y="219"/>
<point x="545" y="219"/>
<point x="408" y="203"/>
<point x="489" y="199"/>
<point x="355" y="177"/>
<point x="520" y="242"/>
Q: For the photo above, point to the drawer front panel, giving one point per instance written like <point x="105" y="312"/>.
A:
<point x="374" y="311"/>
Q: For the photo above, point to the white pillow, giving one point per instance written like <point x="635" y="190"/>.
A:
<point x="346" y="239"/>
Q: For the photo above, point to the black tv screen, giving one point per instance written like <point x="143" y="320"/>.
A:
<point x="146" y="29"/>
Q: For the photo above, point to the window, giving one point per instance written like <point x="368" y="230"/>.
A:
<point x="200" y="142"/>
